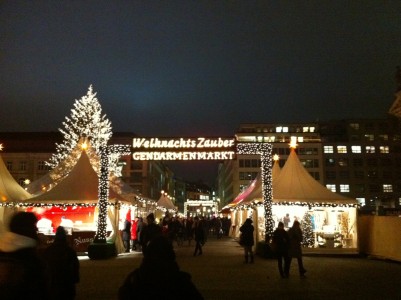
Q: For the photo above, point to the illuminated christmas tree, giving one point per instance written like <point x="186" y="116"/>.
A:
<point x="86" y="121"/>
<point x="307" y="231"/>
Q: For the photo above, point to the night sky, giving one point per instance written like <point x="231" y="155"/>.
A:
<point x="192" y="68"/>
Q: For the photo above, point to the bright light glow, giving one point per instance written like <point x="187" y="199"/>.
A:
<point x="293" y="143"/>
<point x="276" y="157"/>
<point x="1" y="147"/>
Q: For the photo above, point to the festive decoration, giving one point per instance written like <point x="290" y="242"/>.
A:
<point x="265" y="152"/>
<point x="86" y="120"/>
<point x="307" y="230"/>
<point x="105" y="152"/>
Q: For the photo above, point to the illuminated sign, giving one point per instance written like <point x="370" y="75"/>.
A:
<point x="183" y="148"/>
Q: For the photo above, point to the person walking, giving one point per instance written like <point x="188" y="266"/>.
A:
<point x="247" y="239"/>
<point x="295" y="250"/>
<point x="62" y="266"/>
<point x="22" y="271"/>
<point x="281" y="243"/>
<point x="199" y="234"/>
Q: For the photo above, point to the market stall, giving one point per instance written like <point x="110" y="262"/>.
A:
<point x="328" y="219"/>
<point x="72" y="203"/>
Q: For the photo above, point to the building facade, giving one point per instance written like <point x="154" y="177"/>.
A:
<point x="358" y="158"/>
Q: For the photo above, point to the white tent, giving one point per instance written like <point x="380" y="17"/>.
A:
<point x="165" y="202"/>
<point x="295" y="184"/>
<point x="10" y="193"/>
<point x="296" y="192"/>
<point x="79" y="187"/>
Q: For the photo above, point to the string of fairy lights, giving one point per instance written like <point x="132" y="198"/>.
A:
<point x="265" y="152"/>
<point x="105" y="152"/>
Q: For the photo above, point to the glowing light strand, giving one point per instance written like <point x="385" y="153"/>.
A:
<point x="105" y="152"/>
<point x="265" y="152"/>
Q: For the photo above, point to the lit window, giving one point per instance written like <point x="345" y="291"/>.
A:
<point x="399" y="201"/>
<point x="311" y="129"/>
<point x="341" y="149"/>
<point x="328" y="149"/>
<point x="384" y="149"/>
<point x="279" y="129"/>
<point x="356" y="149"/>
<point x="362" y="201"/>
<point x="387" y="188"/>
<point x="285" y="129"/>
<point x="344" y="188"/>
<point x="354" y="126"/>
<point x="300" y="139"/>
<point x="370" y="149"/>
<point x="305" y="129"/>
<point x="331" y="187"/>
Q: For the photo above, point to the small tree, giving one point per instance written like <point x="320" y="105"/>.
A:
<point x="307" y="230"/>
<point x="86" y="121"/>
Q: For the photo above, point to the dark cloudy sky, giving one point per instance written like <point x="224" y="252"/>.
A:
<point x="190" y="68"/>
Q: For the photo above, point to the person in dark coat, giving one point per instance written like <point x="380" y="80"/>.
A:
<point x="158" y="276"/>
<point x="281" y="243"/>
<point x="199" y="233"/>
<point x="127" y="233"/>
<point x="62" y="267"/>
<point x="247" y="239"/>
<point x="22" y="271"/>
<point x="139" y="227"/>
<point x="149" y="231"/>
<point x="295" y="250"/>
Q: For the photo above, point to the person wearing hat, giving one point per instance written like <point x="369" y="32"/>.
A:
<point x="149" y="231"/>
<point x="22" y="271"/>
<point x="62" y="266"/>
<point x="158" y="276"/>
<point x="247" y="239"/>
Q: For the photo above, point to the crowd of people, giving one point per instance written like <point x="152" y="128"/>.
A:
<point x="52" y="272"/>
<point x="178" y="230"/>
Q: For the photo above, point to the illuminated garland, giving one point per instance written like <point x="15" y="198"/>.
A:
<point x="265" y="152"/>
<point x="105" y="152"/>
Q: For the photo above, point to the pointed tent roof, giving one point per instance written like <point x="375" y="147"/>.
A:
<point x="79" y="186"/>
<point x="295" y="184"/>
<point x="10" y="190"/>
<point x="254" y="190"/>
<point x="276" y="170"/>
<point x="165" y="202"/>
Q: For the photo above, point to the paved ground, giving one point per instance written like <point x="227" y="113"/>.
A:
<point x="221" y="274"/>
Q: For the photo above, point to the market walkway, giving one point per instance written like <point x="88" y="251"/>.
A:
<point x="221" y="274"/>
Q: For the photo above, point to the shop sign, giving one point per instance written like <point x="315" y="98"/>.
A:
<point x="200" y="148"/>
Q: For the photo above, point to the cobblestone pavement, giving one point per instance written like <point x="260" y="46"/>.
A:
<point x="221" y="274"/>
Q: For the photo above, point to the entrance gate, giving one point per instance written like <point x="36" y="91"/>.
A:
<point x="185" y="149"/>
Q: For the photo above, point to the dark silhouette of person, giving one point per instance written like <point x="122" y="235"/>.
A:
<point x="149" y="231"/>
<point x="281" y="241"/>
<point x="62" y="267"/>
<point x="199" y="234"/>
<point x="246" y="230"/>
<point x="295" y="250"/>
<point x="127" y="233"/>
<point x="22" y="271"/>
<point x="158" y="276"/>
